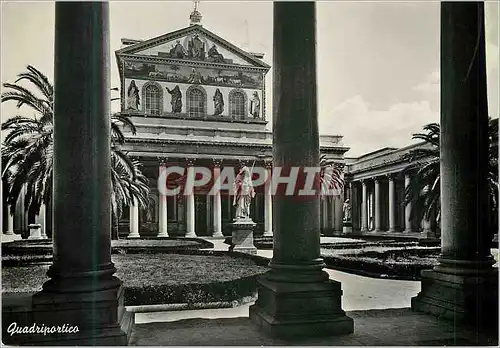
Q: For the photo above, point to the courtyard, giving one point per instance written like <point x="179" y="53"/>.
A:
<point x="204" y="204"/>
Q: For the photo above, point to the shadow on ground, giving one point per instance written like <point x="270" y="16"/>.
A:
<point x="388" y="327"/>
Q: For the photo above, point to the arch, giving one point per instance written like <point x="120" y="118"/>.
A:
<point x="152" y="98"/>
<point x="196" y="101"/>
<point x="238" y="104"/>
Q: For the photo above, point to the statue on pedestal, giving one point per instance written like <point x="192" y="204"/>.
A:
<point x="243" y="193"/>
<point x="346" y="209"/>
<point x="218" y="102"/>
<point x="176" y="98"/>
<point x="255" y="105"/>
<point x="132" y="96"/>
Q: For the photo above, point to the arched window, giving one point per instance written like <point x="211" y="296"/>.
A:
<point x="237" y="104"/>
<point x="153" y="99"/>
<point x="196" y="101"/>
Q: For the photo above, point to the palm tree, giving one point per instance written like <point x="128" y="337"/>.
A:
<point x="331" y="174"/>
<point x="424" y="189"/>
<point x="27" y="151"/>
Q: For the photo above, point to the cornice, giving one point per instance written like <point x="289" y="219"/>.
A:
<point x="190" y="63"/>
<point x="202" y="142"/>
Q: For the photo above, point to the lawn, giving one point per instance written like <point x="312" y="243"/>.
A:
<point x="162" y="278"/>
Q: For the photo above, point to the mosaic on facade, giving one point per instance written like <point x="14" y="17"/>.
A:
<point x="195" y="47"/>
<point x="185" y="74"/>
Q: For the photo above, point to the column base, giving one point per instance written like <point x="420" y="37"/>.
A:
<point x="292" y="309"/>
<point x="428" y="234"/>
<point x="242" y="236"/>
<point x="218" y="235"/>
<point x="190" y="235"/>
<point x="100" y="318"/>
<point x="162" y="235"/>
<point x="407" y="231"/>
<point x="463" y="298"/>
<point x="268" y="234"/>
<point x="9" y="233"/>
<point x="134" y="236"/>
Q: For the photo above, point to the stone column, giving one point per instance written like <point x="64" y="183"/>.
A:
<point x="376" y="206"/>
<point x="42" y="220"/>
<point x="190" y="209"/>
<point x="408" y="228"/>
<point x="463" y="287"/>
<point x="217" y="204"/>
<point x="268" y="202"/>
<point x="82" y="290"/>
<point x="338" y="221"/>
<point x="296" y="297"/>
<point x="364" y="208"/>
<point x="134" y="220"/>
<point x="10" y="224"/>
<point x="324" y="213"/>
<point x="392" y="204"/>
<point x="162" y="207"/>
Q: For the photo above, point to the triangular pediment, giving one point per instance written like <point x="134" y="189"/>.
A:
<point x="193" y="43"/>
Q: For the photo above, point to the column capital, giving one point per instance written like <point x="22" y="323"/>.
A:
<point x="268" y="164"/>
<point x="161" y="160"/>
<point x="390" y="176"/>
<point x="217" y="162"/>
<point x="190" y="162"/>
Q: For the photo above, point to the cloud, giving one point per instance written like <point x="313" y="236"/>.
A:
<point x="430" y="85"/>
<point x="366" y="129"/>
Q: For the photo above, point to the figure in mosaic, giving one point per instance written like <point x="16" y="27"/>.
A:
<point x="218" y="102"/>
<point x="243" y="193"/>
<point x="178" y="51"/>
<point x="175" y="98"/>
<point x="133" y="96"/>
<point x="195" y="77"/>
<point x="255" y="105"/>
<point x="215" y="55"/>
<point x="196" y="48"/>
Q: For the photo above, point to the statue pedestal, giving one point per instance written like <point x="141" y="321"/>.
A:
<point x="242" y="236"/>
<point x="347" y="227"/>
<point x="35" y="231"/>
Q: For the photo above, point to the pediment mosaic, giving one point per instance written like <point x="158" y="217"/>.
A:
<point x="197" y="47"/>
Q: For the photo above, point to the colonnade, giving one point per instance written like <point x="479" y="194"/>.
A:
<point x="214" y="200"/>
<point x="382" y="190"/>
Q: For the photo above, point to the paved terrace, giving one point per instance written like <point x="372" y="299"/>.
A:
<point x="379" y="307"/>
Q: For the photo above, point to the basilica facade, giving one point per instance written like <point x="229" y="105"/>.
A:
<point x="198" y="100"/>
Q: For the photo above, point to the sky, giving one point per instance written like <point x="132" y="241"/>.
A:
<point x="377" y="62"/>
